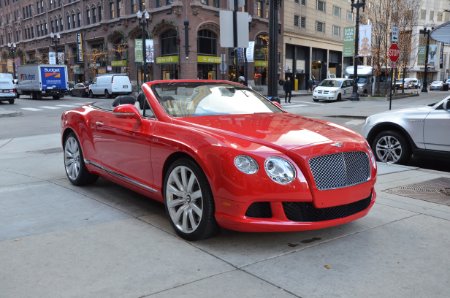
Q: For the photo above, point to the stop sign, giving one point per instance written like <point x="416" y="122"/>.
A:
<point x="394" y="52"/>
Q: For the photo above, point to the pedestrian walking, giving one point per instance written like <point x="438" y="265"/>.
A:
<point x="310" y="84"/>
<point x="287" y="90"/>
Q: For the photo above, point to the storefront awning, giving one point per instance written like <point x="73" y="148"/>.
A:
<point x="442" y="33"/>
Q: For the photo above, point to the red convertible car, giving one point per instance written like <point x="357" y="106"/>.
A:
<point x="218" y="154"/>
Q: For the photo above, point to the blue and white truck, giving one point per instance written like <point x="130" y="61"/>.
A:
<point x="42" y="80"/>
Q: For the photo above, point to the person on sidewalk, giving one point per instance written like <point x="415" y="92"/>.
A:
<point x="287" y="90"/>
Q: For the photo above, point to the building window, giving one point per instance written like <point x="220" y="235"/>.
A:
<point x="135" y="6"/>
<point x="94" y="16"/>
<point x="99" y="11"/>
<point x="303" y="22"/>
<point x="320" y="26"/>
<point x="432" y="15"/>
<point x="79" y="19"/>
<point x="169" y="45"/>
<point x="336" y="31"/>
<point x="73" y="20"/>
<point x="61" y="24"/>
<point x="56" y="25"/>
<point x="439" y="16"/>
<point x="296" y="21"/>
<point x="321" y="5"/>
<point x="68" y="22"/>
<point x="112" y="9"/>
<point x="119" y="4"/>
<point x="88" y="16"/>
<point x="207" y="42"/>
<point x="423" y="14"/>
<point x="349" y="15"/>
<point x="336" y="11"/>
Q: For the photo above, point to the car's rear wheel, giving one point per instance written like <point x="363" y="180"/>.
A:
<point x="11" y="101"/>
<point x="391" y="147"/>
<point x="91" y="95"/>
<point x="74" y="163"/>
<point x="189" y="201"/>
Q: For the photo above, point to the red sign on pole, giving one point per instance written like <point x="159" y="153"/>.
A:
<point x="394" y="52"/>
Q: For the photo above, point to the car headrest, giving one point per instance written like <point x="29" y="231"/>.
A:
<point x="167" y="97"/>
<point x="124" y="99"/>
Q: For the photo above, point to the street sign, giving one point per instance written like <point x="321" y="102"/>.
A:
<point x="394" y="36"/>
<point x="394" y="52"/>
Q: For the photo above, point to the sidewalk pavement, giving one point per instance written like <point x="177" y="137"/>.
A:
<point x="58" y="240"/>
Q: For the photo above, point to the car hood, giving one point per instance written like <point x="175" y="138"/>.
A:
<point x="278" y="131"/>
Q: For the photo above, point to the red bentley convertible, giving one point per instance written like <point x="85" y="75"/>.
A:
<point x="218" y="154"/>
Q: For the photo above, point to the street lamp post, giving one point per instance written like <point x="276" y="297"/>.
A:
<point x="55" y="38"/>
<point x="144" y="18"/>
<point x="272" y="87"/>
<point x="426" y="32"/>
<point x="357" y="4"/>
<point x="12" y="50"/>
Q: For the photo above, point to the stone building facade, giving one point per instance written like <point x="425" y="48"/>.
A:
<point x="99" y="36"/>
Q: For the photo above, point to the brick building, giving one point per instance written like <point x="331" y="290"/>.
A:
<point x="99" y="36"/>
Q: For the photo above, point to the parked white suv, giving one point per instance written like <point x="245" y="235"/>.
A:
<point x="110" y="85"/>
<point x="333" y="89"/>
<point x="395" y="135"/>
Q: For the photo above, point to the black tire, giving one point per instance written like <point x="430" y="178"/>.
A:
<point x="392" y="147"/>
<point x="339" y="97"/>
<point x="11" y="101"/>
<point x="315" y="100"/>
<point x="91" y="95"/>
<point x="189" y="225"/>
<point x="56" y="97"/>
<point x="107" y="94"/>
<point x="74" y="162"/>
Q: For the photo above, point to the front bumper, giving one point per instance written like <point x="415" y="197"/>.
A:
<point x="295" y="216"/>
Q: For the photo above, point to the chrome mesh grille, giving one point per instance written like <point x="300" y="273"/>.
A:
<point x="340" y="170"/>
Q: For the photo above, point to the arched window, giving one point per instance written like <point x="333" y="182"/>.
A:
<point x="169" y="43"/>
<point x="207" y="42"/>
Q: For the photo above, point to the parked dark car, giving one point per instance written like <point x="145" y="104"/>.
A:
<point x="80" y="90"/>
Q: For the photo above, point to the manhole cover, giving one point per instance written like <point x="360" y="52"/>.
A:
<point x="436" y="191"/>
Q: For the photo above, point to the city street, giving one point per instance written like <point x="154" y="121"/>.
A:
<point x="58" y="240"/>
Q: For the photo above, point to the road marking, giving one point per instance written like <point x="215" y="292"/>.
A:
<point x="293" y="105"/>
<point x="67" y="106"/>
<point x="31" y="109"/>
<point x="355" y="122"/>
<point x="49" y="107"/>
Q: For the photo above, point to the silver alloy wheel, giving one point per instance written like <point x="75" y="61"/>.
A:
<point x="184" y="199"/>
<point x="389" y="149"/>
<point x="72" y="156"/>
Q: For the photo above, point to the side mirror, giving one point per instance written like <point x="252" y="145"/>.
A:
<point x="446" y="104"/>
<point x="127" y="111"/>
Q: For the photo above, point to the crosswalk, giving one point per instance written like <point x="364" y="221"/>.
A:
<point x="55" y="107"/>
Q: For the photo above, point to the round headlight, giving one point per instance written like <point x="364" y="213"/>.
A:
<point x="279" y="170"/>
<point x="246" y="164"/>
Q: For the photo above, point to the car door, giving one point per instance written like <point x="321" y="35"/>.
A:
<point x="436" y="130"/>
<point x="347" y="87"/>
<point x="122" y="146"/>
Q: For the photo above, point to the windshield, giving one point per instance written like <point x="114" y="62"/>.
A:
<point x="201" y="99"/>
<point x="330" y="83"/>
<point x="362" y="80"/>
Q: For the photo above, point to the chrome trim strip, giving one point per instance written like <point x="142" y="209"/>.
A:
<point x="120" y="176"/>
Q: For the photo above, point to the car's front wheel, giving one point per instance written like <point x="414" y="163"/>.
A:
<point x="74" y="163"/>
<point x="189" y="201"/>
<point x="391" y="147"/>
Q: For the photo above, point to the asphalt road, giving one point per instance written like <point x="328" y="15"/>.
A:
<point x="39" y="117"/>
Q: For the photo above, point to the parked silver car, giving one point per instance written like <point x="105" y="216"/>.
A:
<point x="395" y="135"/>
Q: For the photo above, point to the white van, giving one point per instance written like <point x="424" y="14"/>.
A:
<point x="7" y="88"/>
<point x="110" y="85"/>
